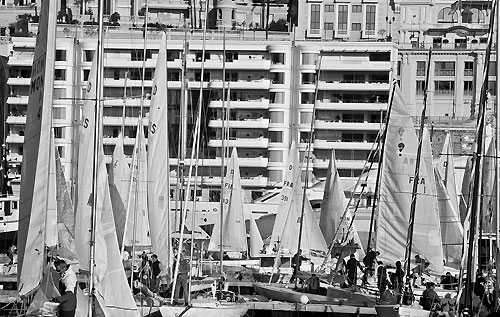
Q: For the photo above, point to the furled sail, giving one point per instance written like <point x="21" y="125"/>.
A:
<point x="36" y="156"/>
<point x="446" y="169"/>
<point x="396" y="187"/>
<point x="234" y="237"/>
<point x="119" y="187"/>
<point x="158" y="166"/>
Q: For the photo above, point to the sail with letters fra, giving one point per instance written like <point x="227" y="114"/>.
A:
<point x="234" y="236"/>
<point x="398" y="169"/>
<point x="158" y="166"/>
<point x="33" y="202"/>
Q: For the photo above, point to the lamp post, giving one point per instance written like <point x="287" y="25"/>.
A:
<point x="390" y="22"/>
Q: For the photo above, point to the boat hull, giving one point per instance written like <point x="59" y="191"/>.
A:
<point x="284" y="294"/>
<point x="235" y="310"/>
<point x="400" y="311"/>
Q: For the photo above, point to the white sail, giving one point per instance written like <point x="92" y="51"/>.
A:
<point x="137" y="225"/>
<point x="292" y="176"/>
<point x="234" y="237"/>
<point x="466" y="188"/>
<point x="488" y="209"/>
<point x="396" y="193"/>
<point x="51" y="215"/>
<point x="119" y="186"/>
<point x="452" y="233"/>
<point x="158" y="166"/>
<point x="36" y="155"/>
<point x="65" y="215"/>
<point x="112" y="290"/>
<point x="333" y="205"/>
<point x="446" y="168"/>
<point x="256" y="242"/>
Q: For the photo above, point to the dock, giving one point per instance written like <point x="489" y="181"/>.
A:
<point x="314" y="309"/>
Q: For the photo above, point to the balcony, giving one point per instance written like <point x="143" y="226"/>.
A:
<point x="111" y="82"/>
<point x="355" y="126"/>
<point x="14" y="138"/>
<point x="112" y="141"/>
<point x="130" y="102"/>
<point x="21" y="60"/>
<point x="341" y="164"/>
<point x="356" y="65"/>
<point x="241" y="143"/>
<point x="118" y="121"/>
<point x="247" y="64"/>
<point x="259" y="123"/>
<point x="242" y="161"/>
<point x="14" y="158"/>
<point x="257" y="181"/>
<point x="260" y="103"/>
<point x="17" y="100"/>
<point x="19" y="81"/>
<point x="366" y="86"/>
<point x="242" y="84"/>
<point x="342" y="145"/>
<point x="16" y="119"/>
<point x="328" y="104"/>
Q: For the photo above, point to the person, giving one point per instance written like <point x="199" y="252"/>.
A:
<point x="448" y="281"/>
<point x="397" y="277"/>
<point x="67" y="289"/>
<point x="313" y="284"/>
<point x="155" y="270"/>
<point x="381" y="277"/>
<point x="430" y="299"/>
<point x="369" y="261"/>
<point x="352" y="266"/>
<point x="144" y="259"/>
<point x="182" y="280"/>
<point x="419" y="270"/>
<point x="296" y="262"/>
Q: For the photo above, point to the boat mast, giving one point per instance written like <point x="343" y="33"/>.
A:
<point x="416" y="178"/>
<point x="95" y="163"/>
<point x="182" y="133"/>
<point x="477" y="155"/>
<point x="379" y="169"/>
<point x="308" y="154"/>
<point x="223" y="151"/>
<point x="497" y="164"/>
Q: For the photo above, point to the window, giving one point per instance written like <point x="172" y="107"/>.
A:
<point x="492" y="88"/>
<point x="60" y="149"/>
<point x="469" y="69"/>
<point x="421" y="68"/>
<point x="315" y="16"/>
<point x="278" y="78"/>
<point x="444" y="87"/>
<point x="276" y="117"/>
<point x="59" y="93"/>
<point x="308" y="78"/>
<point x="138" y="55"/>
<point x="446" y="15"/>
<point x="86" y="73"/>
<point x="437" y="42"/>
<point x="420" y="87"/>
<point x="472" y="15"/>
<point x="492" y="69"/>
<point x="278" y="58"/>
<point x="399" y="68"/>
<point x="305" y="117"/>
<point x="460" y="43"/>
<point x="276" y="97"/>
<point x="309" y="58"/>
<point x="356" y="26"/>
<point x="232" y="56"/>
<point x="59" y="113"/>
<point x="88" y="55"/>
<point x="468" y="88"/>
<point x="276" y="136"/>
<point x="307" y="97"/>
<point x="329" y="26"/>
<point x="444" y="69"/>
<point x="60" y="74"/>
<point x="370" y="17"/>
<point x="275" y="156"/>
<point x="199" y="56"/>
<point x="356" y="9"/>
<point x="275" y="176"/>
<point x="60" y="55"/>
<point x="329" y="8"/>
<point x="59" y="132"/>
<point x="343" y="15"/>
<point x="116" y="74"/>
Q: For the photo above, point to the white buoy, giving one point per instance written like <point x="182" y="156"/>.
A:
<point x="304" y="299"/>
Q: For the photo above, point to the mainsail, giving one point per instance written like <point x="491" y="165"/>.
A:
<point x="36" y="156"/>
<point x="446" y="169"/>
<point x="234" y="237"/>
<point x="119" y="179"/>
<point x="158" y="166"/>
<point x="398" y="170"/>
<point x="137" y="226"/>
<point x="112" y="290"/>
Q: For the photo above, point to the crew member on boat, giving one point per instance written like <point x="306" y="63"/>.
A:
<point x="430" y="299"/>
<point x="67" y="289"/>
<point x="352" y="270"/>
<point x="155" y="270"/>
<point x="296" y="262"/>
<point x="182" y="280"/>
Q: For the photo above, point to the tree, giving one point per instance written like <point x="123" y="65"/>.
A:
<point x="281" y="25"/>
<point x="293" y="12"/>
<point x="114" y="18"/>
<point x="20" y="27"/>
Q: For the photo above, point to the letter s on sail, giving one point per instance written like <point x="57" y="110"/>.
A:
<point x="153" y="128"/>
<point x="86" y="123"/>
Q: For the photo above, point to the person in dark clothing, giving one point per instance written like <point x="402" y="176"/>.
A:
<point x="296" y="262"/>
<point x="313" y="284"/>
<point x="449" y="282"/>
<point x="381" y="277"/>
<point x="155" y="270"/>
<point x="369" y="261"/>
<point x="430" y="299"/>
<point x="397" y="277"/>
<point x="182" y="280"/>
<point x="352" y="266"/>
<point x="67" y="289"/>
